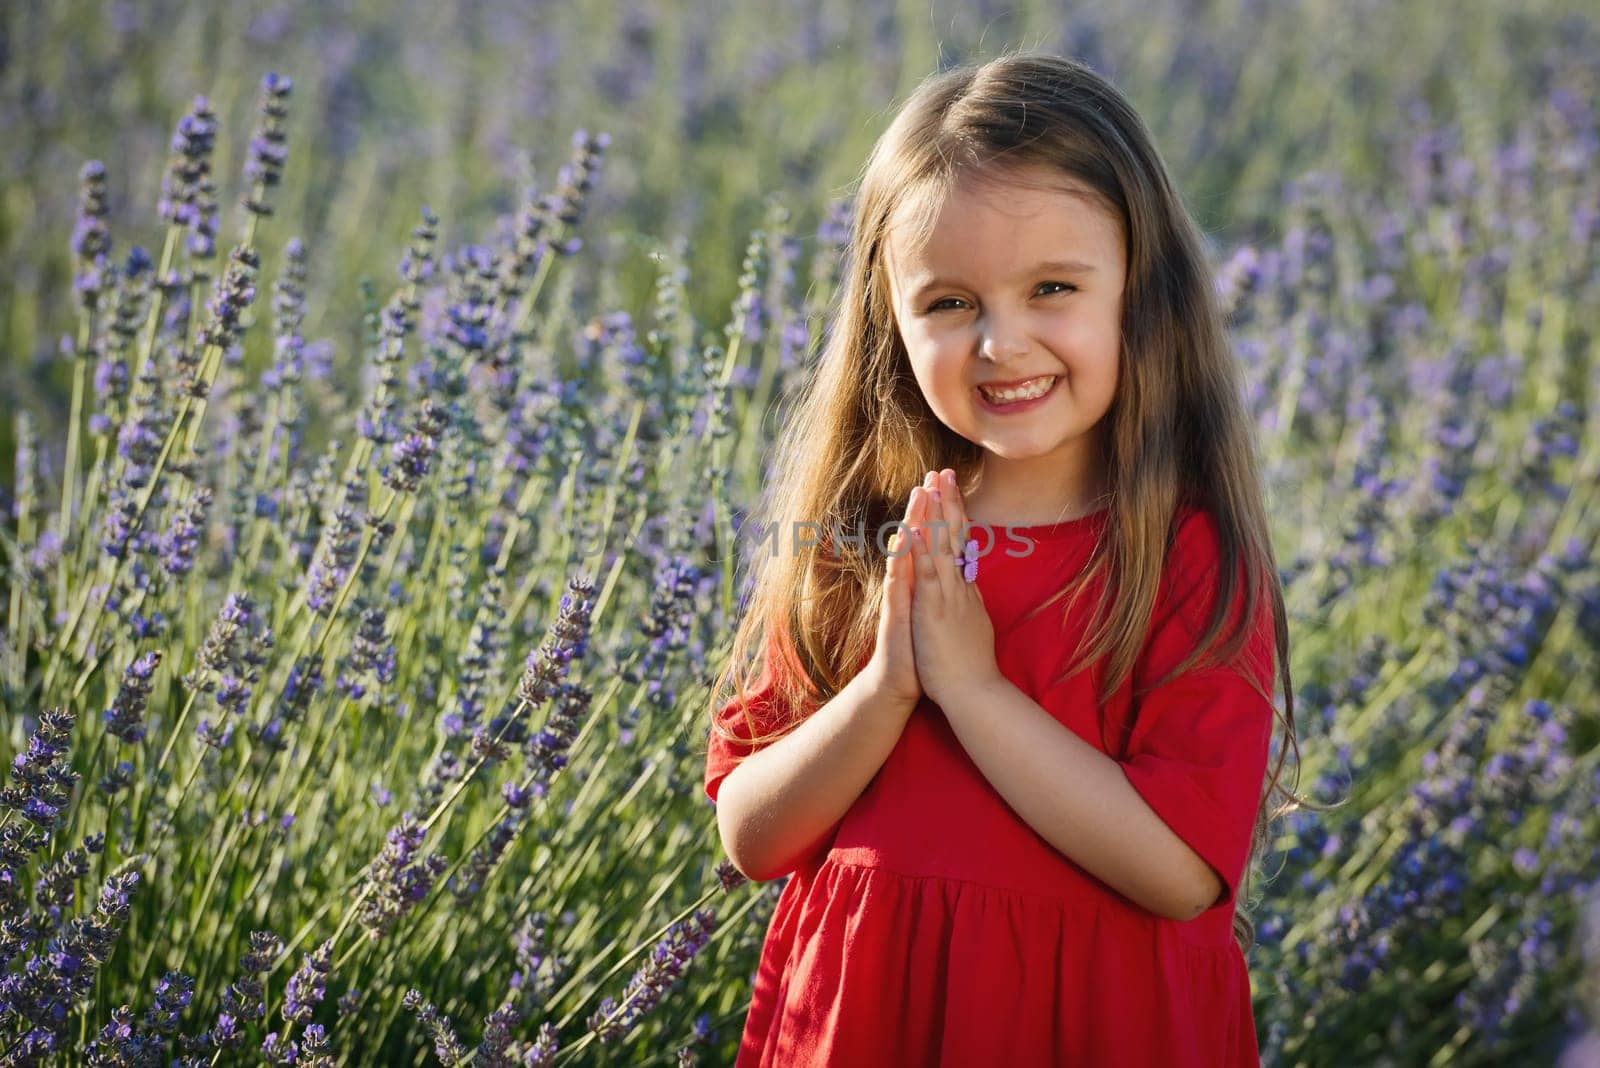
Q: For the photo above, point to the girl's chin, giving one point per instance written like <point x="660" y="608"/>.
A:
<point x="1010" y="449"/>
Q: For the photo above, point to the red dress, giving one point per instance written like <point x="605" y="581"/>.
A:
<point x="938" y="928"/>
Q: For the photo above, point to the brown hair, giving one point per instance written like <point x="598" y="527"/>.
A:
<point x="862" y="435"/>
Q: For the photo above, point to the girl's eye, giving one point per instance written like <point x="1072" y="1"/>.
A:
<point x="1065" y="286"/>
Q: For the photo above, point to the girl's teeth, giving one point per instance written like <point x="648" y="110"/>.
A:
<point x="1009" y="395"/>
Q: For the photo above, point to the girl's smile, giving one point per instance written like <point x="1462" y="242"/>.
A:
<point x="1011" y="399"/>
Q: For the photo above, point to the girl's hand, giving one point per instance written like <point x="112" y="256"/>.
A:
<point x="950" y="627"/>
<point x="893" y="660"/>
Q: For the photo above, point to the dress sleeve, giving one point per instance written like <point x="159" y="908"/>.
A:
<point x="1198" y="749"/>
<point x="722" y="754"/>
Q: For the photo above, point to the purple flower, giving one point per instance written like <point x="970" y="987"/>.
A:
<point x="125" y="718"/>
<point x="652" y="981"/>
<point x="573" y="182"/>
<point x="308" y="985"/>
<point x="371" y="650"/>
<point x="178" y="544"/>
<point x="445" y="1043"/>
<point x="187" y="192"/>
<point x="244" y="998"/>
<point x="336" y="555"/>
<point x="233" y="293"/>
<point x="44" y="782"/>
<point x="212" y="737"/>
<point x="173" y="994"/>
<point x="267" y="151"/>
<point x="91" y="240"/>
<point x="122" y="511"/>
<point x="63" y="972"/>
<point x="220" y="646"/>
<point x="412" y="455"/>
<point x="730" y="877"/>
<point x="566" y="641"/>
<point x="399" y="879"/>
<point x="497" y="1034"/>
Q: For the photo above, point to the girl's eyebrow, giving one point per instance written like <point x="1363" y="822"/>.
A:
<point x="1062" y="266"/>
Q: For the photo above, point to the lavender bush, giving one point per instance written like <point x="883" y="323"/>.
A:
<point x="357" y="634"/>
<point x="295" y="749"/>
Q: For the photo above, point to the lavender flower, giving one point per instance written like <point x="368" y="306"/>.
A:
<point x="349" y="1003"/>
<point x="244" y="998"/>
<point x="289" y="294"/>
<point x="446" y="1045"/>
<point x="122" y="512"/>
<point x="214" y="736"/>
<point x="44" y="782"/>
<point x="371" y="654"/>
<point x="336" y="555"/>
<point x="140" y="437"/>
<point x="233" y="293"/>
<point x="111" y="371"/>
<point x="308" y="985"/>
<point x="440" y="772"/>
<point x="399" y="879"/>
<point x="477" y="664"/>
<point x="652" y="981"/>
<point x="233" y="694"/>
<point x="533" y="982"/>
<point x="220" y="646"/>
<point x="55" y="892"/>
<point x="730" y="877"/>
<point x="567" y="640"/>
<point x="475" y="871"/>
<point x="279" y="1049"/>
<point x="376" y="421"/>
<point x="40" y="996"/>
<point x="574" y="181"/>
<point x="541" y="1053"/>
<point x="125" y="718"/>
<point x="545" y="751"/>
<point x="173" y="994"/>
<point x="315" y="1050"/>
<point x="186" y="185"/>
<point x="494" y="1050"/>
<point x="183" y="537"/>
<point x="118" y="1043"/>
<point x="91" y="240"/>
<point x="412" y="455"/>
<point x="116" y="780"/>
<point x="264" y="167"/>
<point x="666" y="629"/>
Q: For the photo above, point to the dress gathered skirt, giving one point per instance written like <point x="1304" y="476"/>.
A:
<point x="936" y="927"/>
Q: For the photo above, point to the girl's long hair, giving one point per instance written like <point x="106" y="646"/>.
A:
<point x="861" y="435"/>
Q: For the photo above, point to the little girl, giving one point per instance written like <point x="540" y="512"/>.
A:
<point x="1008" y="758"/>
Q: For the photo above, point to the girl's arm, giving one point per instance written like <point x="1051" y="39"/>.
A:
<point x="1079" y="800"/>
<point x="781" y="803"/>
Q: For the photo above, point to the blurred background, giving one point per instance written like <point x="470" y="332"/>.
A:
<point x="1403" y="206"/>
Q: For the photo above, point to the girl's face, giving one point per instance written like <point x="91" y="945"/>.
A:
<point x="1016" y="283"/>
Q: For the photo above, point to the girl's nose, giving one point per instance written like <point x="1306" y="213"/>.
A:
<point x="1002" y="344"/>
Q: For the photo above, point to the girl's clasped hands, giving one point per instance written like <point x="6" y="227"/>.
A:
<point x="934" y="632"/>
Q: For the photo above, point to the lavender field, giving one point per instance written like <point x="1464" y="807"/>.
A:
<point x="386" y="385"/>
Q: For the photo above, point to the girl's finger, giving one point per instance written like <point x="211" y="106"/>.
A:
<point x="959" y="533"/>
<point x="920" y="557"/>
<point x="924" y="500"/>
<point x="903" y="530"/>
<point x="940" y="550"/>
<point x="938" y="517"/>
